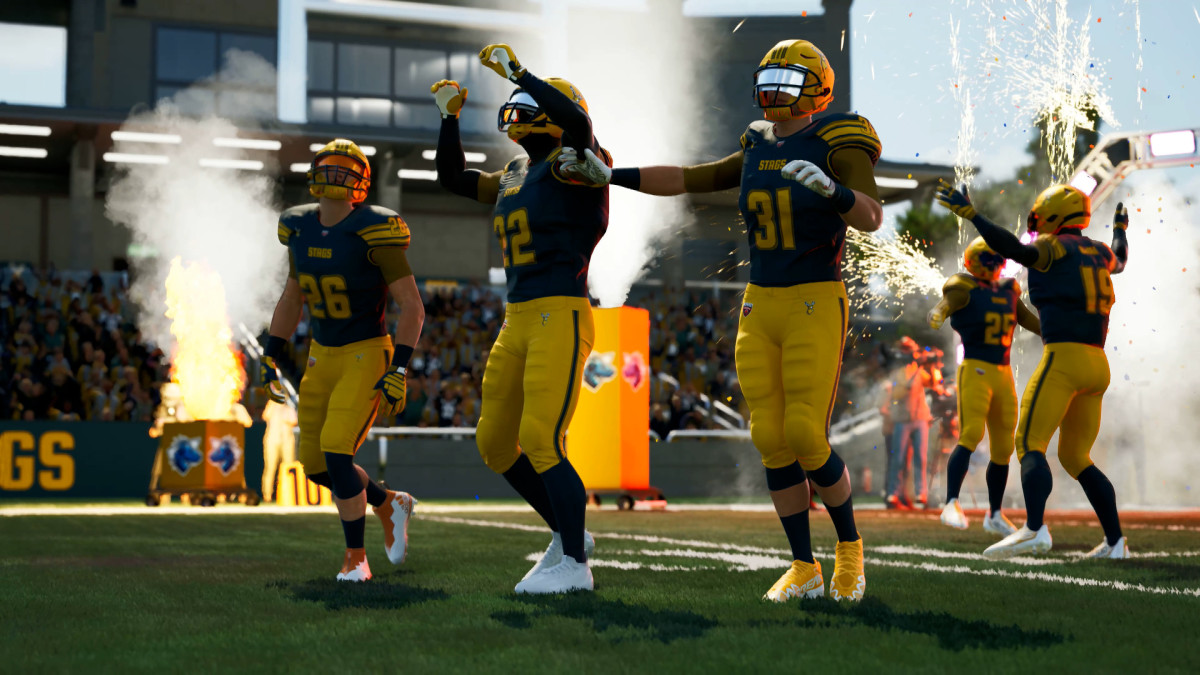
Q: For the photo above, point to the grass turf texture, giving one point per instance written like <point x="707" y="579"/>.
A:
<point x="239" y="592"/>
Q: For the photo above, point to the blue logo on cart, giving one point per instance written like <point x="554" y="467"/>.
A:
<point x="598" y="370"/>
<point x="226" y="454"/>
<point x="182" y="454"/>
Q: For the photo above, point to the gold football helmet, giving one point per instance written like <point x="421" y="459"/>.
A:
<point x="522" y="116"/>
<point x="340" y="171"/>
<point x="1059" y="207"/>
<point x="793" y="80"/>
<point x="981" y="261"/>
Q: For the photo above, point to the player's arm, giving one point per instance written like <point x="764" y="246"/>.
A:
<point x="283" y="324"/>
<point x="999" y="239"/>
<point x="1028" y="319"/>
<point x="402" y="285"/>
<point x="451" y="163"/>
<point x="956" y="293"/>
<point x="1120" y="245"/>
<point x="668" y="181"/>
<point x="855" y="196"/>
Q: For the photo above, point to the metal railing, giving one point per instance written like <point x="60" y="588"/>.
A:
<point x="728" y="417"/>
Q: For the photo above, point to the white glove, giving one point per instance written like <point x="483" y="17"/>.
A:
<point x="591" y="171"/>
<point x="449" y="97"/>
<point x="501" y="59"/>
<point x="810" y="176"/>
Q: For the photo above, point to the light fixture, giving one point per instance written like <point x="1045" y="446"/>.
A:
<point x="475" y="157"/>
<point x="900" y="183"/>
<point x="418" y="174"/>
<point x="1084" y="182"/>
<point x="1169" y="143"/>
<point x="23" y="130"/>
<point x="225" y="163"/>
<point x="146" y="137"/>
<point x="368" y="150"/>
<point x="248" y="143"/>
<point x="300" y="167"/>
<point x="35" y="153"/>
<point x="134" y="158"/>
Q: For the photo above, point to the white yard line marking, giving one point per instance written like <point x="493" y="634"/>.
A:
<point x="1038" y="576"/>
<point x="748" y="563"/>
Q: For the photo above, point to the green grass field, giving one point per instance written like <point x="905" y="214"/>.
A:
<point x="233" y="589"/>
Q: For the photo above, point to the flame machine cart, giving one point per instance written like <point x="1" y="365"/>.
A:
<point x="201" y="461"/>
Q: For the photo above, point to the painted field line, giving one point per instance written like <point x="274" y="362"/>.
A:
<point x="628" y="565"/>
<point x="927" y="567"/>
<point x="1036" y="576"/>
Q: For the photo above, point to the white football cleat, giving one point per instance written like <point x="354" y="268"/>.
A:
<point x="1023" y="540"/>
<point x="354" y="566"/>
<point x="568" y="575"/>
<point x="1117" y="551"/>
<point x="996" y="523"/>
<point x="395" y="514"/>
<point x="554" y="553"/>
<point x="952" y="515"/>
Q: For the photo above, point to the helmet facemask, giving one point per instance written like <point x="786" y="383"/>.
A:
<point x="340" y="173"/>
<point x="788" y="91"/>
<point x="521" y="116"/>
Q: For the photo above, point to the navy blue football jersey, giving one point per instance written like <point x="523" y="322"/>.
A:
<point x="548" y="228"/>
<point x="345" y="291"/>
<point x="1073" y="290"/>
<point x="987" y="323"/>
<point x="796" y="235"/>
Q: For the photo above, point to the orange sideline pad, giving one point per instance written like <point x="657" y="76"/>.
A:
<point x="203" y="455"/>
<point x="608" y="441"/>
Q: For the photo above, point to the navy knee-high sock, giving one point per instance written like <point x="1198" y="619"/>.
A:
<point x="795" y="526"/>
<point x="842" y="515"/>
<point x="569" y="500"/>
<point x="355" y="531"/>
<point x="956" y="470"/>
<point x="997" y="480"/>
<point x="526" y="481"/>
<point x="376" y="495"/>
<point x="1100" y="493"/>
<point x="1036" y="483"/>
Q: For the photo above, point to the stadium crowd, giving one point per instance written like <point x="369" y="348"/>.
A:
<point x="71" y="350"/>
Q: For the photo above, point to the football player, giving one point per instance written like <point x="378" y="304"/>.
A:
<point x="548" y="226"/>
<point x="983" y="309"/>
<point x="1071" y="287"/>
<point x="346" y="258"/>
<point x="793" y="323"/>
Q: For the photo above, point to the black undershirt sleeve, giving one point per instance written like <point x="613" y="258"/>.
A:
<point x="451" y="163"/>
<point x="574" y="120"/>
<point x="1004" y="242"/>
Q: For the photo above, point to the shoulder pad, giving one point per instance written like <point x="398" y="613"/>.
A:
<point x="385" y="228"/>
<point x="755" y="133"/>
<point x="963" y="282"/>
<point x="847" y="130"/>
<point x="514" y="164"/>
<point x="290" y="220"/>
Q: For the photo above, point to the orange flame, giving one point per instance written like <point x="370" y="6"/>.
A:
<point x="204" y="362"/>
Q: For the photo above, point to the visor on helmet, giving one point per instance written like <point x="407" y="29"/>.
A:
<point x="990" y="260"/>
<point x="777" y="86"/>
<point x="520" y="109"/>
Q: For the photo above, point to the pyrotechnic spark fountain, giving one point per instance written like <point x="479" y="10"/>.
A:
<point x="203" y="360"/>
<point x="1049" y="68"/>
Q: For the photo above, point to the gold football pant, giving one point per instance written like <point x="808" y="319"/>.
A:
<point x="987" y="399"/>
<point x="789" y="357"/>
<point x="531" y="381"/>
<point x="338" y="398"/>
<point x="279" y="448"/>
<point x="1064" y="394"/>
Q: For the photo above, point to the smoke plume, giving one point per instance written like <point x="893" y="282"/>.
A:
<point x="222" y="218"/>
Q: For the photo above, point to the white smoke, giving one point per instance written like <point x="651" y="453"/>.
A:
<point x="220" y="217"/>
<point x="641" y="93"/>
<point x="1147" y="436"/>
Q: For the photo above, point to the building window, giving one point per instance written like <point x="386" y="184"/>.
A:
<point x="207" y="72"/>
<point x="34" y="71"/>
<point x="377" y="85"/>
